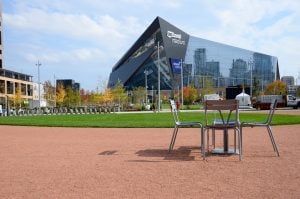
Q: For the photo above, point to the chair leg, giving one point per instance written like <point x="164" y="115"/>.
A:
<point x="207" y="140"/>
<point x="203" y="143"/>
<point x="173" y="138"/>
<point x="234" y="140"/>
<point x="270" y="135"/>
<point x="272" y="140"/>
<point x="241" y="135"/>
<point x="240" y="144"/>
<point x="213" y="138"/>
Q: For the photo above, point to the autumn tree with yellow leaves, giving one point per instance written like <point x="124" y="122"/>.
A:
<point x="60" y="95"/>
<point x="276" y="88"/>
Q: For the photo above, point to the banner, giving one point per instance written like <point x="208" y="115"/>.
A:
<point x="176" y="65"/>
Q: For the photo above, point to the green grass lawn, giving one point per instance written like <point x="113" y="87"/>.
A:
<point x="131" y="120"/>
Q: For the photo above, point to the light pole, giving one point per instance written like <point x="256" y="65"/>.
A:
<point x="181" y="82"/>
<point x="250" y="62"/>
<point x="38" y="64"/>
<point x="54" y="92"/>
<point x="147" y="72"/>
<point x="152" y="94"/>
<point x="7" y="106"/>
<point x="158" y="77"/>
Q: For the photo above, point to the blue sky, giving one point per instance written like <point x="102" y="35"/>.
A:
<point x="82" y="40"/>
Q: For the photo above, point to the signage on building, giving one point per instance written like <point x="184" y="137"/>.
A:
<point x="176" y="65"/>
<point x="176" y="38"/>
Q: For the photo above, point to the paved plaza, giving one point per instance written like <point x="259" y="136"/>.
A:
<point x="41" y="162"/>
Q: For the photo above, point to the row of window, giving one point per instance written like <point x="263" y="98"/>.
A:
<point x="12" y="88"/>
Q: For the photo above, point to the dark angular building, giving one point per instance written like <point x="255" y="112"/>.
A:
<point x="68" y="83"/>
<point x="165" y="46"/>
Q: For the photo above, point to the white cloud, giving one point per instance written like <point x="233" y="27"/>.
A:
<point x="76" y="55"/>
<point x="102" y="32"/>
<point x="77" y="26"/>
<point x="164" y="3"/>
<point x="97" y="33"/>
<point x="239" y="26"/>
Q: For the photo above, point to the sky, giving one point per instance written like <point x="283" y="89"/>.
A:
<point x="83" y="40"/>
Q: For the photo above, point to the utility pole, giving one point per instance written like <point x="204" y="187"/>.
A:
<point x="54" y="85"/>
<point x="146" y="73"/>
<point x="38" y="64"/>
<point x="250" y="62"/>
<point x="181" y="82"/>
<point x="158" y="63"/>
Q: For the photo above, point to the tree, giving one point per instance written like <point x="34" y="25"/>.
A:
<point x="208" y="89"/>
<point x="94" y="98"/>
<point x="18" y="96"/>
<point x="49" y="92"/>
<point x="106" y="97"/>
<point x="255" y="88"/>
<point x="298" y="92"/>
<point x="139" y="94"/>
<point x="75" y="100"/>
<point x="85" y="97"/>
<point x="276" y="88"/>
<point x="60" y="95"/>
<point x="119" y="94"/>
<point x="72" y="98"/>
<point x="189" y="94"/>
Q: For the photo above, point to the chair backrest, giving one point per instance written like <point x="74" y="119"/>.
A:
<point x="223" y="106"/>
<point x="272" y="110"/>
<point x="174" y="111"/>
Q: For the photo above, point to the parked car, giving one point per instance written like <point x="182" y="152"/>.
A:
<point x="292" y="101"/>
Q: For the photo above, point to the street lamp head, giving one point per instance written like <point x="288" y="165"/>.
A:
<point x="148" y="72"/>
<point x="160" y="47"/>
<point x="38" y="63"/>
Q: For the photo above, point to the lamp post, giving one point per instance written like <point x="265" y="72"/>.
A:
<point x="158" y="77"/>
<point x="7" y="106"/>
<point x="152" y="94"/>
<point x="250" y="62"/>
<point x="54" y="92"/>
<point x="38" y="64"/>
<point x="181" y="82"/>
<point x="147" y="72"/>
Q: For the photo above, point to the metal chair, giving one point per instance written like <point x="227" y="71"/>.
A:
<point x="266" y="124"/>
<point x="179" y="124"/>
<point x="228" y="119"/>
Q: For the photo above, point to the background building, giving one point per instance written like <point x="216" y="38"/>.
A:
<point x="290" y="83"/>
<point x="289" y="80"/>
<point x="201" y="60"/>
<point x="68" y="83"/>
<point x="38" y="101"/>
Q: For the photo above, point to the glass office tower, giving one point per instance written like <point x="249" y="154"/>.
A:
<point x="188" y="60"/>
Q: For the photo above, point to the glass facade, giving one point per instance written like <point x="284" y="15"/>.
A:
<point x="151" y="64"/>
<point x="201" y="61"/>
<point x="227" y="65"/>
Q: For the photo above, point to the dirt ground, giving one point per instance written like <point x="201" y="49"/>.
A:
<point x="40" y="162"/>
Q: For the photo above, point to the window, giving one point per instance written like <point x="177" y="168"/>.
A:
<point x="10" y="87"/>
<point x="2" y="86"/>
<point x="23" y="89"/>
